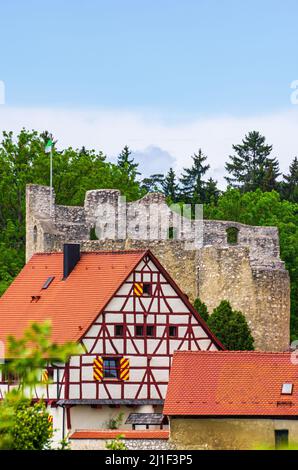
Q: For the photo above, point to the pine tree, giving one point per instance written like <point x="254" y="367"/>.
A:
<point x="126" y="163"/>
<point x="170" y="186"/>
<point x="154" y="183"/>
<point x="251" y="167"/>
<point x="231" y="328"/>
<point x="211" y="192"/>
<point x="289" y="187"/>
<point x="192" y="183"/>
<point x="201" y="308"/>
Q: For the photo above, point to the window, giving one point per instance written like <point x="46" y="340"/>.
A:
<point x="287" y="389"/>
<point x="35" y="234"/>
<point x="150" y="330"/>
<point x="147" y="289"/>
<point x="139" y="330"/>
<point x="93" y="234"/>
<point x="173" y="331"/>
<point x="50" y="371"/>
<point x="48" y="282"/>
<point x="232" y="235"/>
<point x="142" y="289"/>
<point x="10" y="377"/>
<point x="119" y="330"/>
<point x="110" y="367"/>
<point x="172" y="233"/>
<point x="281" y="438"/>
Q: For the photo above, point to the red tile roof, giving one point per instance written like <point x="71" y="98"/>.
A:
<point x="127" y="434"/>
<point x="231" y="383"/>
<point x="72" y="304"/>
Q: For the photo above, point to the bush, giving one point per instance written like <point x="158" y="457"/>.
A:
<point x="32" y="429"/>
<point x="116" y="444"/>
<point x="116" y="421"/>
<point x="231" y="328"/>
<point x="201" y="308"/>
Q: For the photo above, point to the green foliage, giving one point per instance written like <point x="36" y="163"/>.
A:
<point x="211" y="192"/>
<point x="290" y="446"/>
<point x="170" y="186"/>
<point x="31" y="429"/>
<point x="201" y="308"/>
<point x="289" y="187"/>
<point x="192" y="182"/>
<point x="115" y="421"/>
<point x="259" y="208"/>
<point x="32" y="352"/>
<point x="251" y="167"/>
<point x="230" y="327"/>
<point x="64" y="444"/>
<point x="232" y="235"/>
<point x="24" y="425"/>
<point x="116" y="444"/>
<point x="93" y="235"/>
<point x="127" y="170"/>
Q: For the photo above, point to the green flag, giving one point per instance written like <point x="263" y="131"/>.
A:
<point x="48" y="146"/>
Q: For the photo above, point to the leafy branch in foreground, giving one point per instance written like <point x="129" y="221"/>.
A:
<point x="23" y="424"/>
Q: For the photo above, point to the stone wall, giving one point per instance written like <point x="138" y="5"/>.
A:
<point x="249" y="274"/>
<point x="230" y="433"/>
<point x="131" y="444"/>
<point x="261" y="293"/>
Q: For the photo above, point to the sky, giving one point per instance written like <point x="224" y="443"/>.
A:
<point x="165" y="77"/>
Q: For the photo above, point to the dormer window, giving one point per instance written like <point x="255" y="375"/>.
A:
<point x="287" y="388"/>
<point x="48" y="282"/>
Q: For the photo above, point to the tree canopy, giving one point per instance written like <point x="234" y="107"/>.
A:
<point x="251" y="166"/>
<point x="231" y="328"/>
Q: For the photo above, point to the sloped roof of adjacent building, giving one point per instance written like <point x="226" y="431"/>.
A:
<point x="72" y="304"/>
<point x="232" y="383"/>
<point x="125" y="433"/>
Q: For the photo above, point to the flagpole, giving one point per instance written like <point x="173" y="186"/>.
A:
<point x="51" y="181"/>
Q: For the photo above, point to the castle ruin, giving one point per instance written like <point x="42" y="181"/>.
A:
<point x="201" y="257"/>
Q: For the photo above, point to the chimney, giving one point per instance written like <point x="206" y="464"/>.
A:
<point x="71" y="255"/>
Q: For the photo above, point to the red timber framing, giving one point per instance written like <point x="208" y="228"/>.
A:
<point x="149" y="356"/>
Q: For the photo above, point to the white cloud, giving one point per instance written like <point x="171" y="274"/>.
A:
<point x="148" y="132"/>
<point x="153" y="160"/>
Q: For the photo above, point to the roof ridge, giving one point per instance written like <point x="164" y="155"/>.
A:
<point x="99" y="252"/>
<point x="234" y="352"/>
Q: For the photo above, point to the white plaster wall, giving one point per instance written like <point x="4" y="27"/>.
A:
<point x="85" y="417"/>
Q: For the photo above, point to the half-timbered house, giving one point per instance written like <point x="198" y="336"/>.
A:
<point x="129" y="316"/>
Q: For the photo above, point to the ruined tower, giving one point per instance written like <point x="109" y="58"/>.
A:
<point x="244" y="268"/>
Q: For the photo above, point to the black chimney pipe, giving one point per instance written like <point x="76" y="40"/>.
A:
<point x="71" y="255"/>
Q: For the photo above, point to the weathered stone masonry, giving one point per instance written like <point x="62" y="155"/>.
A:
<point x="250" y="274"/>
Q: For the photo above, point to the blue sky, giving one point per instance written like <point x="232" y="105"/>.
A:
<point x="167" y="62"/>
